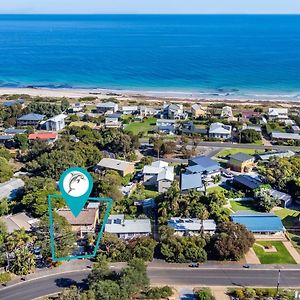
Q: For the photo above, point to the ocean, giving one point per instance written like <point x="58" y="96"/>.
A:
<point x="216" y="55"/>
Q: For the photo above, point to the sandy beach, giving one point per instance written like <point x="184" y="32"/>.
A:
<point x="151" y="96"/>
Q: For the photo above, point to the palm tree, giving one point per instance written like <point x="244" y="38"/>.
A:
<point x="23" y="263"/>
<point x="202" y="214"/>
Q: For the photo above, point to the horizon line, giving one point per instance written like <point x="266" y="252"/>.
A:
<point x="137" y="13"/>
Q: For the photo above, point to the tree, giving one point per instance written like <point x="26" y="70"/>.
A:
<point x="5" y="170"/>
<point x="134" y="277"/>
<point x="70" y="294"/>
<point x="64" y="237"/>
<point x="266" y="202"/>
<point x="18" y="239"/>
<point x="107" y="290"/>
<point x="21" y="141"/>
<point x="5" y="153"/>
<point x="231" y="241"/>
<point x="23" y="262"/>
<point x="4" y="207"/>
<point x="250" y="136"/>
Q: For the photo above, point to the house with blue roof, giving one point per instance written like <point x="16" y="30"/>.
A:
<point x="14" y="131"/>
<point x="204" y="165"/>
<point x="259" y="223"/>
<point x="11" y="103"/>
<point x="30" y="119"/>
<point x="190" y="182"/>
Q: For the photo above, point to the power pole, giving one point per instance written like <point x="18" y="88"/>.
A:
<point x="278" y="282"/>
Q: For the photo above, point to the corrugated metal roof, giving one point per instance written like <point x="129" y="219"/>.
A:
<point x="193" y="224"/>
<point x="266" y="222"/>
<point x="191" y="181"/>
<point x="31" y="117"/>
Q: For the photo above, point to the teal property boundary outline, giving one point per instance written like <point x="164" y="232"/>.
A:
<point x="52" y="240"/>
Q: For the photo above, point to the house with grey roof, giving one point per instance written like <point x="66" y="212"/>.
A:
<point x="256" y="128"/>
<point x="14" y="131"/>
<point x="56" y="123"/>
<point x="191" y="182"/>
<point x="278" y="113"/>
<point x="192" y="226"/>
<point x="285" y="136"/>
<point x="6" y="139"/>
<point x="122" y="167"/>
<point x="274" y="154"/>
<point x="246" y="183"/>
<point x="167" y="126"/>
<point x="174" y="111"/>
<point x="159" y="174"/>
<point x="284" y="198"/>
<point x="11" y="188"/>
<point x="127" y="229"/>
<point x="107" y="107"/>
<point x="19" y="221"/>
<point x="30" y="119"/>
<point x="220" y="131"/>
<point x="112" y="121"/>
<point x="203" y="165"/>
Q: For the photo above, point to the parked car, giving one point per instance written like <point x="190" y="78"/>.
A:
<point x="194" y="265"/>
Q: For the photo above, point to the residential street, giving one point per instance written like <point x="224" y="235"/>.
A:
<point x="164" y="274"/>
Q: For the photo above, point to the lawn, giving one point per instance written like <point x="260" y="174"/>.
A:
<point x="137" y="127"/>
<point x="215" y="188"/>
<point x="282" y="256"/>
<point x="289" y="217"/>
<point x="242" y="205"/>
<point x="81" y="124"/>
<point x="149" y="193"/>
<point x="226" y="152"/>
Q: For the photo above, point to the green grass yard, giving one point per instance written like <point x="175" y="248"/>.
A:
<point x="289" y="217"/>
<point x="295" y="239"/>
<point x="226" y="152"/>
<point x="215" y="188"/>
<point x="242" y="205"/>
<point x="138" y="127"/>
<point x="282" y="256"/>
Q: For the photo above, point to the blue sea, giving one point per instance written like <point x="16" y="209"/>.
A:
<point x="225" y="55"/>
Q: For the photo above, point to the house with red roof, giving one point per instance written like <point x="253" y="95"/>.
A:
<point x="49" y="137"/>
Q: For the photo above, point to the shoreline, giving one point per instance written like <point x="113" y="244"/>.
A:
<point x="126" y="95"/>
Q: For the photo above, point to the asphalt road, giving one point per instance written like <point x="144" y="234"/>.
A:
<point x="168" y="276"/>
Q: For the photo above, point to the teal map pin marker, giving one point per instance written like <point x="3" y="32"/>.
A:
<point x="76" y="184"/>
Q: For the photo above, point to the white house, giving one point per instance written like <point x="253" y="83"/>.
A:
<point x="220" y="131"/>
<point x="226" y="112"/>
<point x="106" y="107"/>
<point x="159" y="174"/>
<point x="127" y="229"/>
<point x="146" y="111"/>
<point x="192" y="226"/>
<point x="174" y="111"/>
<point x="129" y="110"/>
<point x="56" y="123"/>
<point x="112" y="121"/>
<point x="278" y="113"/>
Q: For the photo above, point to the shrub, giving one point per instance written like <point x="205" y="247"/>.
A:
<point x="5" y="277"/>
<point x="158" y="293"/>
<point x="204" y="294"/>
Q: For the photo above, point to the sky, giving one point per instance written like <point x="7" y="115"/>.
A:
<point x="152" y="6"/>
